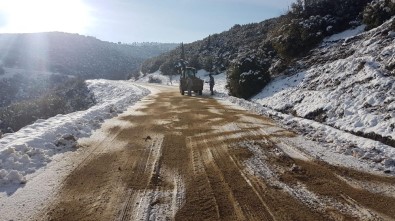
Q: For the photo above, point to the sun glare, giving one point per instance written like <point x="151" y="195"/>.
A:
<point x="24" y="16"/>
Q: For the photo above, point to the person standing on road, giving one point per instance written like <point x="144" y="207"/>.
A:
<point x="211" y="82"/>
<point x="189" y="85"/>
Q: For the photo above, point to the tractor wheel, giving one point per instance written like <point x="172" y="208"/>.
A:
<point x="182" y="92"/>
<point x="200" y="93"/>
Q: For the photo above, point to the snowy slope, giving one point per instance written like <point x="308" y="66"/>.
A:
<point x="354" y="93"/>
<point x="33" y="146"/>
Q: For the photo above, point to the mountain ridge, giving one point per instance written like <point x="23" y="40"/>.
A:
<point x="73" y="54"/>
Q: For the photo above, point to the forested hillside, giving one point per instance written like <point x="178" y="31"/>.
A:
<point x="42" y="74"/>
<point x="252" y="54"/>
<point x="73" y="54"/>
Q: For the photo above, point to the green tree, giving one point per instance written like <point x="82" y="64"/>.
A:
<point x="194" y="62"/>
<point x="182" y="51"/>
<point x="377" y="12"/>
<point x="208" y="64"/>
<point x="209" y="42"/>
<point x="168" y="68"/>
<point x="246" y="77"/>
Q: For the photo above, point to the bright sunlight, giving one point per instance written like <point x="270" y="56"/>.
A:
<point x="25" y="16"/>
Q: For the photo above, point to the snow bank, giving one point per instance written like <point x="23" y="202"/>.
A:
<point x="330" y="141"/>
<point x="33" y="146"/>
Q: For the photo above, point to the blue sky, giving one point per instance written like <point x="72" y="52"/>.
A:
<point x="130" y="21"/>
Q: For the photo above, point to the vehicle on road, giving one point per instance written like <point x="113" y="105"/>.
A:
<point x="189" y="82"/>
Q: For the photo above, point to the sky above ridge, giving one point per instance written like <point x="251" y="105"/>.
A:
<point x="130" y="21"/>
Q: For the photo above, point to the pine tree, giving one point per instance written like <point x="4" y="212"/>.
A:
<point x="209" y="42"/>
<point x="182" y="52"/>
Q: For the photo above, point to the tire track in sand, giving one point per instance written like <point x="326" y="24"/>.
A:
<point x="199" y="165"/>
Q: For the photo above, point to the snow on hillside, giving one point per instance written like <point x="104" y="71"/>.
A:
<point x="346" y="34"/>
<point x="355" y="94"/>
<point x="33" y="146"/>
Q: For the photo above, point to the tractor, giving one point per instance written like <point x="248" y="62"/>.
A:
<point x="189" y="82"/>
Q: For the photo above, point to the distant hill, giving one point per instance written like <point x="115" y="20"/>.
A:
<point x="73" y="54"/>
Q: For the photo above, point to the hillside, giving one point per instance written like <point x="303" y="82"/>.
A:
<point x="73" y="54"/>
<point x="42" y="74"/>
<point x="267" y="48"/>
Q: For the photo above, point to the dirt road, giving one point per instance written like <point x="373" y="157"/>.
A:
<point x="193" y="158"/>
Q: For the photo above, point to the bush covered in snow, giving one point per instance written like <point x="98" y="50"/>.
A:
<point x="246" y="77"/>
<point x="153" y="79"/>
<point x="377" y="12"/>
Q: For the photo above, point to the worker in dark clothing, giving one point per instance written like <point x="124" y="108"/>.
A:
<point x="189" y="85"/>
<point x="211" y="83"/>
